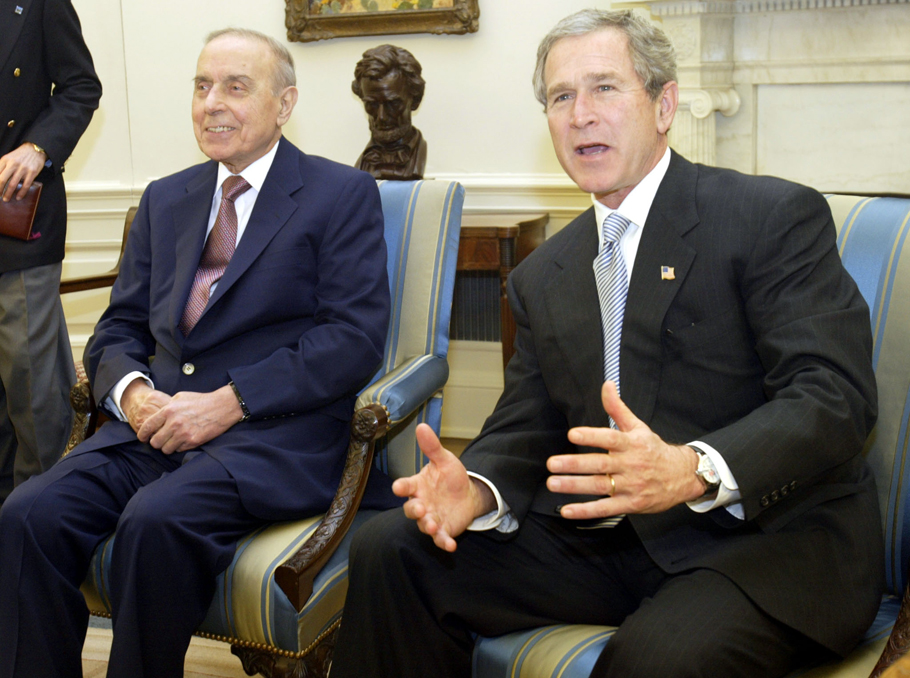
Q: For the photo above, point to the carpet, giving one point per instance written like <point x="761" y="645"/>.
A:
<point x="205" y="658"/>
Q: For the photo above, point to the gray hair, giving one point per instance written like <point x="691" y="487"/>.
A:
<point x="283" y="75"/>
<point x="651" y="51"/>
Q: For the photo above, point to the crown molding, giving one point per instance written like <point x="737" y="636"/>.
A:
<point x="670" y="8"/>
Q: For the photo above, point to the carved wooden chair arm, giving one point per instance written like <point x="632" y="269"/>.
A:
<point x="295" y="576"/>
<point x="899" y="641"/>
<point x="86" y="420"/>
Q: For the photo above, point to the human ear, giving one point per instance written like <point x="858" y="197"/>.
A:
<point x="669" y="100"/>
<point x="287" y="99"/>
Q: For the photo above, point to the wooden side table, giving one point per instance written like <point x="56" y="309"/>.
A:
<point x="499" y="242"/>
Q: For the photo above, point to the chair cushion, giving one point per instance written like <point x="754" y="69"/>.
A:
<point x="571" y="650"/>
<point x="248" y="604"/>
<point x="563" y="650"/>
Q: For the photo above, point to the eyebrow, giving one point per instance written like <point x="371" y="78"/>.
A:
<point x="588" y="79"/>
<point x="245" y="79"/>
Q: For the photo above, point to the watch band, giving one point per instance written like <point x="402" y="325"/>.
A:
<point x="707" y="472"/>
<point x="243" y="407"/>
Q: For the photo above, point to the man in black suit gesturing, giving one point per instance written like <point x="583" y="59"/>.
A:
<point x="738" y="523"/>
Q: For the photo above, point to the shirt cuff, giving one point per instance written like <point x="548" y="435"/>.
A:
<point x="112" y="402"/>
<point x="501" y="518"/>
<point x="728" y="494"/>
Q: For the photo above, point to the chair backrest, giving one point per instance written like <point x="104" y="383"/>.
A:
<point x="422" y="228"/>
<point x="872" y="241"/>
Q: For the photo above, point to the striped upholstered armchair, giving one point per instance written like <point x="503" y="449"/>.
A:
<point x="872" y="236"/>
<point x="279" y="603"/>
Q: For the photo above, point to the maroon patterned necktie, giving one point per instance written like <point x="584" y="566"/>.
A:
<point x="219" y="248"/>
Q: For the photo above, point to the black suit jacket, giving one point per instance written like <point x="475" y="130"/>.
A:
<point x="41" y="49"/>
<point x="760" y="346"/>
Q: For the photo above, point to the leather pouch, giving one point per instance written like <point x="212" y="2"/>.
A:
<point x="17" y="216"/>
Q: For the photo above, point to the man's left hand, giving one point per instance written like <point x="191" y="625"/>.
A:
<point x="21" y="165"/>
<point x="190" y="420"/>
<point x="648" y="474"/>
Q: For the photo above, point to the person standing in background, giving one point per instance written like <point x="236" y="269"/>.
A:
<point x="49" y="93"/>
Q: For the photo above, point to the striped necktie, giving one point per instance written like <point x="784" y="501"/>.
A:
<point x="219" y="248"/>
<point x="612" y="289"/>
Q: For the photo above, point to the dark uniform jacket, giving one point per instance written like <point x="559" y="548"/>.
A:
<point x="48" y="92"/>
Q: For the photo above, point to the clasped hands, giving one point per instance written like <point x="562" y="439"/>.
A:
<point x="180" y="422"/>
<point x="637" y="473"/>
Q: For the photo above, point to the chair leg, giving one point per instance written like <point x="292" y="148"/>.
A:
<point x="315" y="664"/>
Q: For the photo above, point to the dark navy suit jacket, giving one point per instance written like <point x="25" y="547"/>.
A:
<point x="298" y="322"/>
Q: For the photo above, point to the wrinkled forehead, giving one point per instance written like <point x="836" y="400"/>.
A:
<point x="235" y="56"/>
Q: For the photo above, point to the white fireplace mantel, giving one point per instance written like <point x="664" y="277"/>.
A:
<point x="749" y="70"/>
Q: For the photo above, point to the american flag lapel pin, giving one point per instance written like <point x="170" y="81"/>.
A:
<point x="667" y="273"/>
<point x="18" y="9"/>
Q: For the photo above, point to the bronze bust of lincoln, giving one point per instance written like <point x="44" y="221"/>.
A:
<point x="388" y="81"/>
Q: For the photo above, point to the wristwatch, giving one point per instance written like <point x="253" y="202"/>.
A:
<point x="707" y="473"/>
<point x="243" y="408"/>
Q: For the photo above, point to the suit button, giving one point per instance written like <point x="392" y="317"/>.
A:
<point x="764" y="501"/>
<point x="11" y="124"/>
<point x="188" y="368"/>
<point x="17" y="73"/>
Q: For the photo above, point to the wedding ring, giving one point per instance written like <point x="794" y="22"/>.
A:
<point x="612" y="485"/>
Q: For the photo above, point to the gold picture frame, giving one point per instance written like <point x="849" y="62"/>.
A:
<point x="311" y="20"/>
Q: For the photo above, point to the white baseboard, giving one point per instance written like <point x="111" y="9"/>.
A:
<point x="474" y="386"/>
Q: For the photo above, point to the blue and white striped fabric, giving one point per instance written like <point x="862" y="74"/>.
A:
<point x="423" y="254"/>
<point x="872" y="236"/>
<point x="422" y="225"/>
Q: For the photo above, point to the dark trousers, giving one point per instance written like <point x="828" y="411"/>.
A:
<point x="177" y="527"/>
<point x="411" y="609"/>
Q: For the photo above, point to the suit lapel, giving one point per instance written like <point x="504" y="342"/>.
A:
<point x="273" y="208"/>
<point x="11" y="26"/>
<point x="671" y="216"/>
<point x="573" y="306"/>
<point x="190" y="219"/>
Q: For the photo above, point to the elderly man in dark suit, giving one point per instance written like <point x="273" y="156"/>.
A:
<point x="258" y="283"/>
<point x="49" y="92"/>
<point x="733" y="526"/>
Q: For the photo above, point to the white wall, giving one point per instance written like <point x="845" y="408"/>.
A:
<point x="479" y="114"/>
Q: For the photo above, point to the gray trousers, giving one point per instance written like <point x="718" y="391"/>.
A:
<point x="36" y="374"/>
